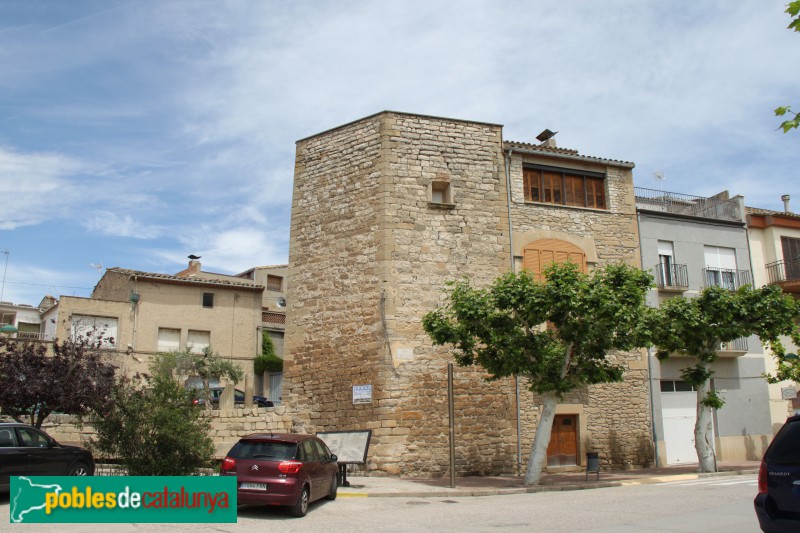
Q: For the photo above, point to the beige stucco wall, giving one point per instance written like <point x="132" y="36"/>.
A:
<point x="765" y="248"/>
<point x="232" y="322"/>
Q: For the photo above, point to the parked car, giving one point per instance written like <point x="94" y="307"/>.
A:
<point x="282" y="469"/>
<point x="27" y="451"/>
<point x="238" y="398"/>
<point x="778" y="501"/>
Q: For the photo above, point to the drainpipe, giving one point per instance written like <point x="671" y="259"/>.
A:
<point x="511" y="260"/>
<point x="135" y="314"/>
<point x="649" y="356"/>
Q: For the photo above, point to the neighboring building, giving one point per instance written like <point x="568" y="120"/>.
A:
<point x="273" y="314"/>
<point x="775" y="249"/>
<point x="690" y="242"/>
<point x="273" y="319"/>
<point x="146" y="313"/>
<point x="25" y="318"/>
<point x="389" y="208"/>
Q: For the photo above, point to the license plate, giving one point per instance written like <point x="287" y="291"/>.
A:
<point x="253" y="486"/>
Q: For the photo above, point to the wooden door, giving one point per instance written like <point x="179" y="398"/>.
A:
<point x="563" y="448"/>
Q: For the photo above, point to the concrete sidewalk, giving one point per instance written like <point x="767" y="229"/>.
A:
<point x="387" y="487"/>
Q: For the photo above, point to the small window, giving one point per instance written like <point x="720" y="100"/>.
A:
<point x="199" y="340"/>
<point x="441" y="193"/>
<point x="669" y="385"/>
<point x="274" y="283"/>
<point x="208" y="300"/>
<point x="169" y="340"/>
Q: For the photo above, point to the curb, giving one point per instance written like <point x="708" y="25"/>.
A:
<point x="463" y="493"/>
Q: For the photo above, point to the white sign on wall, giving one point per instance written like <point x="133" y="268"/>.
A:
<point x="362" y="393"/>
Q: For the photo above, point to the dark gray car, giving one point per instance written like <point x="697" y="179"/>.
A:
<point x="778" y="501"/>
<point x="27" y="451"/>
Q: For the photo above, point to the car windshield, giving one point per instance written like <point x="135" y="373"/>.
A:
<point x="266" y="450"/>
<point x="786" y="447"/>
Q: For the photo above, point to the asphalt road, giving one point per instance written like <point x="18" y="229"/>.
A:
<point x="722" y="504"/>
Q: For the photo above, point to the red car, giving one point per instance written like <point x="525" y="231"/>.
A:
<point x="282" y="469"/>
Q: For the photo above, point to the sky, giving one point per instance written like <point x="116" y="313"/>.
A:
<point x="134" y="133"/>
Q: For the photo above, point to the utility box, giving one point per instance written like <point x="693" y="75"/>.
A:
<point x="592" y="464"/>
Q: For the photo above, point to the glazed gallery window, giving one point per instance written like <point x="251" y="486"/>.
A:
<point x="551" y="185"/>
<point x="92" y="328"/>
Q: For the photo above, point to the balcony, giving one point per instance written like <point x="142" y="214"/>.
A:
<point x="718" y="207"/>
<point x="786" y="274"/>
<point x="726" y="278"/>
<point x="671" y="277"/>
<point x="734" y="348"/>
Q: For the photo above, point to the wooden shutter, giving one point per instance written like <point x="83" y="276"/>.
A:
<point x="538" y="254"/>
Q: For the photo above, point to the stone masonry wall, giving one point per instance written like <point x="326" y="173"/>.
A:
<point x="227" y="426"/>
<point x="617" y="415"/>
<point x="370" y="254"/>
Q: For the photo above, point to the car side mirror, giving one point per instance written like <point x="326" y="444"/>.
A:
<point x="334" y="458"/>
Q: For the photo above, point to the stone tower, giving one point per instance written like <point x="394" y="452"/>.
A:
<point x="386" y="210"/>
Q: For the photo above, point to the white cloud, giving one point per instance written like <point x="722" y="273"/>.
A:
<point x="35" y="186"/>
<point x="117" y="225"/>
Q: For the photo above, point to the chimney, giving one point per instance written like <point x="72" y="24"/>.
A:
<point x="785" y="199"/>
<point x="194" y="268"/>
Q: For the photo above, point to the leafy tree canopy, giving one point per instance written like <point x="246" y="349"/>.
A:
<point x="73" y="380"/>
<point x="501" y="328"/>
<point x="793" y="9"/>
<point x="152" y="427"/>
<point x="696" y="327"/>
<point x="555" y="333"/>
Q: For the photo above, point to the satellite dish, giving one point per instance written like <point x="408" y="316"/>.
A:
<point x="281" y="301"/>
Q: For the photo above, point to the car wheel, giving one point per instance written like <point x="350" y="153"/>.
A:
<point x="301" y="507"/>
<point x="78" y="469"/>
<point x="334" y="487"/>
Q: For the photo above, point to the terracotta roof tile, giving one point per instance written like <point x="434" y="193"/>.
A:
<point x="187" y="281"/>
<point x="547" y="150"/>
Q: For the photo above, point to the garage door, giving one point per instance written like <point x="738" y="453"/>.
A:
<point x="678" y="414"/>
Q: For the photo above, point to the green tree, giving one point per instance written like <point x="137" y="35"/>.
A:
<point x="267" y="361"/>
<point x="152" y="427"/>
<point x="696" y="327"/>
<point x="555" y="333"/>
<point x="73" y="380"/>
<point x="206" y="365"/>
<point x="793" y="9"/>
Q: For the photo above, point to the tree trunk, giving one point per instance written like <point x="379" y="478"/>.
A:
<point x="704" y="433"/>
<point x="541" y="440"/>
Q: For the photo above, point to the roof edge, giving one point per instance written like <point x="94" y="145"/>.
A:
<point x="388" y="111"/>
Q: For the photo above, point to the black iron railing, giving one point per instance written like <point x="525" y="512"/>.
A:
<point x="736" y="345"/>
<point x="784" y="271"/>
<point x="685" y="204"/>
<point x="726" y="278"/>
<point x="671" y="276"/>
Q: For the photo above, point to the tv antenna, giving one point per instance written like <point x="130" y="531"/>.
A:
<point x="5" y="269"/>
<point x="659" y="176"/>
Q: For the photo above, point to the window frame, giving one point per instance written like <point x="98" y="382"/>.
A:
<point x="540" y="185"/>
<point x="203" y="300"/>
<point x="274" y="281"/>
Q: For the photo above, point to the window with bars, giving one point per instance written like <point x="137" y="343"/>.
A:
<point x="564" y="187"/>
